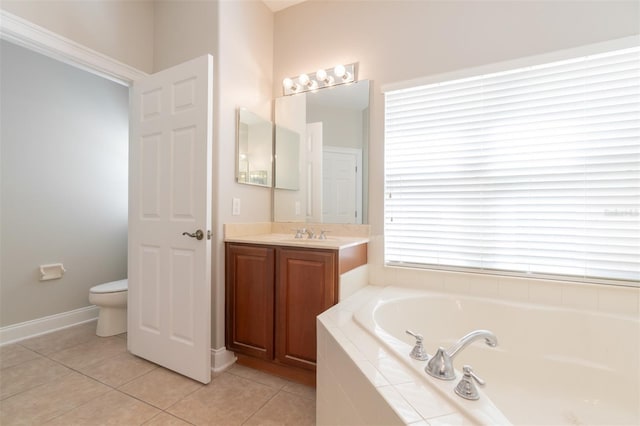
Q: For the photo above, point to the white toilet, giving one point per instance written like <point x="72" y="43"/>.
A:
<point x="111" y="298"/>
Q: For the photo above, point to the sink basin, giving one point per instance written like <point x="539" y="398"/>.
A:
<point x="307" y="240"/>
<point x="285" y="239"/>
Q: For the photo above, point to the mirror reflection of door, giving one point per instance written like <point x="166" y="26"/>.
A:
<point x="314" y="172"/>
<point x="342" y="185"/>
<point x="342" y="114"/>
<point x="287" y="159"/>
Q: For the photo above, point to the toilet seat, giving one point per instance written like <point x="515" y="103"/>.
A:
<point x="111" y="287"/>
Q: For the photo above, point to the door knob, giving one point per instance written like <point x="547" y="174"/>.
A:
<point x="198" y="235"/>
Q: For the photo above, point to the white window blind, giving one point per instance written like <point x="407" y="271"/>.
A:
<point x="533" y="171"/>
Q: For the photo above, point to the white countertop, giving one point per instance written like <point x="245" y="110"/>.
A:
<point x="332" y="243"/>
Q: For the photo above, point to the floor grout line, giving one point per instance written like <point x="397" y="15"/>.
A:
<point x="183" y="398"/>
<point x="109" y="387"/>
<point x="261" y="407"/>
<point x="169" y="414"/>
<point x="34" y="387"/>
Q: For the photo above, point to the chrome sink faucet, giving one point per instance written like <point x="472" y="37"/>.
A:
<point x="441" y="364"/>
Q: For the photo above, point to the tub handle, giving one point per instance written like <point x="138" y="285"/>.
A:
<point x="466" y="388"/>
<point x="418" y="351"/>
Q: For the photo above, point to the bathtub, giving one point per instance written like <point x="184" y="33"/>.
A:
<point x="553" y="365"/>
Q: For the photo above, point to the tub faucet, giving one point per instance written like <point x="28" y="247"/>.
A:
<point x="466" y="388"/>
<point x="441" y="364"/>
<point x="418" y="351"/>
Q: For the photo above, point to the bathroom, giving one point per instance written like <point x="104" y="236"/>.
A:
<point x="255" y="48"/>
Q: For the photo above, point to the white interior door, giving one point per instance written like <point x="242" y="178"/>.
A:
<point x="341" y="185"/>
<point x="169" y="307"/>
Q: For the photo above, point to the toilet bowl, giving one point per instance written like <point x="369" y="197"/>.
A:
<point x="111" y="299"/>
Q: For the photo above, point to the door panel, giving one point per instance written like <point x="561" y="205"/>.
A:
<point x="183" y="149"/>
<point x="150" y="174"/>
<point x="341" y="199"/>
<point x="182" y="290"/>
<point x="149" y="289"/>
<point x="250" y="292"/>
<point x="169" y="194"/>
<point x="306" y="287"/>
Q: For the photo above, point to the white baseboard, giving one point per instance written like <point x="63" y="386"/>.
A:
<point x="221" y="359"/>
<point x="25" y="330"/>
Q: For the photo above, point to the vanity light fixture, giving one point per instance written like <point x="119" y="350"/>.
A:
<point x="324" y="78"/>
<point x="289" y="85"/>
<point x="307" y="83"/>
<point x="340" y="74"/>
<point x="304" y="80"/>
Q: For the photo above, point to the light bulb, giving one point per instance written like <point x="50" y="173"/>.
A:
<point x="304" y="79"/>
<point x="287" y="83"/>
<point x="325" y="78"/>
<point x="340" y="71"/>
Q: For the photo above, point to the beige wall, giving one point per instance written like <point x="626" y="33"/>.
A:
<point x="122" y="30"/>
<point x="184" y="30"/>
<point x="401" y="40"/>
<point x="245" y="70"/>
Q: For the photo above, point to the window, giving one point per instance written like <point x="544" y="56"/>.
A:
<point x="530" y="171"/>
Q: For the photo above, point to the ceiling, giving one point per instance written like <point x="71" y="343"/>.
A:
<point x="276" y="5"/>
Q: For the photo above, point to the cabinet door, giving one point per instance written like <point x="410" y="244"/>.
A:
<point x="250" y="282"/>
<point x="306" y="286"/>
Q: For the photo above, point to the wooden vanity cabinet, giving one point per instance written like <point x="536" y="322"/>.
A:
<point x="273" y="296"/>
<point x="250" y="291"/>
<point x="306" y="286"/>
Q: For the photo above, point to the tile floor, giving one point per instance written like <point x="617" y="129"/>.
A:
<point x="73" y="377"/>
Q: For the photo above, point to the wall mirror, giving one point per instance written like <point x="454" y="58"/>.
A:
<point x="254" y="149"/>
<point x="332" y="165"/>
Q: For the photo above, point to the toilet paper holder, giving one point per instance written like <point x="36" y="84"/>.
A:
<point x="52" y="271"/>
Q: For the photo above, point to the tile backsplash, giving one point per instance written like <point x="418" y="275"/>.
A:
<point x="260" y="228"/>
<point x="587" y="296"/>
<point x="333" y="229"/>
